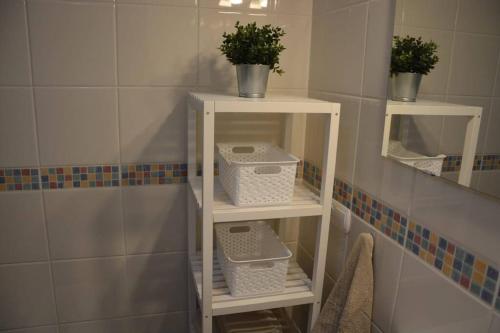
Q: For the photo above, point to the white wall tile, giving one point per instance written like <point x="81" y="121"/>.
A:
<point x="77" y="125"/>
<point x="492" y="144"/>
<point x="452" y="139"/>
<point x="152" y="124"/>
<point x="84" y="223"/>
<point x="428" y="302"/>
<point x="155" y="218"/>
<point x="397" y="185"/>
<point x="157" y="283"/>
<point x="295" y="58"/>
<point x="495" y="323"/>
<point x="338" y="43"/>
<point x="378" y="48"/>
<point x="42" y="329"/>
<point x="398" y="15"/>
<point x="337" y="4"/>
<point x="297" y="7"/>
<point x="422" y="133"/>
<point x="72" y="43"/>
<point x="215" y="69"/>
<point x="489" y="183"/>
<point x="26" y="296"/>
<point x="461" y="215"/>
<point x="14" y="58"/>
<point x="474" y="56"/>
<point x="346" y="149"/>
<point x="171" y="322"/>
<point x="245" y="5"/>
<point x="157" y="45"/>
<point x="496" y="91"/>
<point x="187" y="3"/>
<point x="22" y="230"/>
<point x="430" y="14"/>
<point x="387" y="259"/>
<point x="480" y="16"/>
<point x="18" y="146"/>
<point x="91" y="289"/>
<point x="337" y="245"/>
<point x="369" y="161"/>
<point x="436" y="81"/>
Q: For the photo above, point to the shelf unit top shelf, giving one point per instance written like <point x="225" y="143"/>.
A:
<point x="269" y="104"/>
<point x="431" y="108"/>
<point x="304" y="203"/>
<point x="297" y="291"/>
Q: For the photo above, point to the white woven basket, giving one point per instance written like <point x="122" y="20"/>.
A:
<point x="256" y="174"/>
<point x="429" y="164"/>
<point x="253" y="259"/>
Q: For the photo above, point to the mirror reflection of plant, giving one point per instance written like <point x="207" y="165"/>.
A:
<point x="254" y="45"/>
<point x="413" y="55"/>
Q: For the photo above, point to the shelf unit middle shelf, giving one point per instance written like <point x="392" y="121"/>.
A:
<point x="304" y="203"/>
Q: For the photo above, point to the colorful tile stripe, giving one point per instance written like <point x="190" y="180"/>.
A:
<point x="467" y="270"/>
<point x="80" y="176"/>
<point x="452" y="163"/>
<point x="497" y="303"/>
<point x="153" y="174"/>
<point x="19" y="179"/>
<point x="382" y="217"/>
<point x="464" y="268"/>
<point x="490" y="162"/>
<point x="312" y="174"/>
<point x="342" y="192"/>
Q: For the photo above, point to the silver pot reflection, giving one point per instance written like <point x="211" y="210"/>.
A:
<point x="252" y="80"/>
<point x="405" y="86"/>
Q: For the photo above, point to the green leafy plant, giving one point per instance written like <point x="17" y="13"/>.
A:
<point x="251" y="44"/>
<point x="413" y="55"/>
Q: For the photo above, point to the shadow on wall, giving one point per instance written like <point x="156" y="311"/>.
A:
<point x="155" y="279"/>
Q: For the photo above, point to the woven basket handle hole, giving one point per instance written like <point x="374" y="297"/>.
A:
<point x="243" y="150"/>
<point x="267" y="170"/>
<point x="263" y="265"/>
<point x="241" y="229"/>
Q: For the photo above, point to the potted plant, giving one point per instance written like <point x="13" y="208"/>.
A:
<point x="255" y="51"/>
<point x="410" y="59"/>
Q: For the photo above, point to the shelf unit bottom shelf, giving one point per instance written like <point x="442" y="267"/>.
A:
<point x="297" y="291"/>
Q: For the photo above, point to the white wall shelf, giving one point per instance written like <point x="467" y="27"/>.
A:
<point x="434" y="108"/>
<point x="208" y="201"/>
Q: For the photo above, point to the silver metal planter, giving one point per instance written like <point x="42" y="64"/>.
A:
<point x="405" y="86"/>
<point x="252" y="80"/>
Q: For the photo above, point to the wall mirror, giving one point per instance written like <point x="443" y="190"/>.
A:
<point x="452" y="130"/>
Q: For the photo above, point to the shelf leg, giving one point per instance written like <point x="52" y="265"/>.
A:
<point x="191" y="220"/>
<point x="327" y="180"/>
<point x="208" y="223"/>
<point x="469" y="151"/>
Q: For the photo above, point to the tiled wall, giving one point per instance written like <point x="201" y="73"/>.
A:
<point x="468" y="37"/>
<point x="92" y="117"/>
<point x="436" y="244"/>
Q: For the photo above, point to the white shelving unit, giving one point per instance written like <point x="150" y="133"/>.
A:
<point x="433" y="108"/>
<point x="208" y="201"/>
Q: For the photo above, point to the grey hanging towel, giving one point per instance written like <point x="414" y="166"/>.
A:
<point x="348" y="308"/>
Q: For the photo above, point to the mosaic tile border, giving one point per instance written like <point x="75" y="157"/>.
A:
<point x="452" y="163"/>
<point x="80" y="176"/>
<point x="467" y="270"/>
<point x="19" y="179"/>
<point x="91" y="176"/>
<point x="384" y="218"/>
<point x="153" y="174"/>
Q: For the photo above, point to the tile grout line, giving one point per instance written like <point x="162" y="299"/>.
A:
<point x="42" y="194"/>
